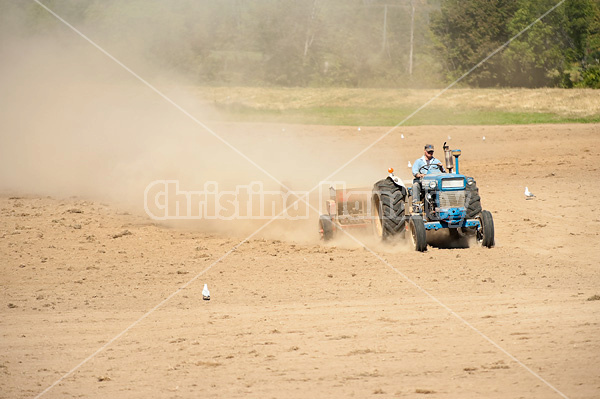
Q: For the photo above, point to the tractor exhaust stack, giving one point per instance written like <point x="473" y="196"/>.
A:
<point x="448" y="157"/>
<point x="448" y="154"/>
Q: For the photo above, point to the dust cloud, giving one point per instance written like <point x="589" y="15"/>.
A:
<point x="75" y="123"/>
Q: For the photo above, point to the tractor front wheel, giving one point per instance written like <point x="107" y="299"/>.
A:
<point x="485" y="233"/>
<point x="418" y="234"/>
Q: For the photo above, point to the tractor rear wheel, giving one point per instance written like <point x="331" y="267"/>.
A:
<point x="388" y="209"/>
<point x="326" y="227"/>
<point x="418" y="234"/>
<point x="485" y="233"/>
<point x="473" y="200"/>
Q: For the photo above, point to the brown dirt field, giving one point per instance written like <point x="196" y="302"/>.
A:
<point x="292" y="317"/>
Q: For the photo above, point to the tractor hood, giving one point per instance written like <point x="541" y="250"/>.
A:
<point x="444" y="182"/>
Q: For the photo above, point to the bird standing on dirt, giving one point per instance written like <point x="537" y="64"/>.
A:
<point x="528" y="194"/>
<point x="206" y="293"/>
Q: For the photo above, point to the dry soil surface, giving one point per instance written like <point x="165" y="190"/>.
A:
<point x="116" y="298"/>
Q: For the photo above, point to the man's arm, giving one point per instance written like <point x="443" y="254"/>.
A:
<point x="415" y="169"/>
<point x="440" y="165"/>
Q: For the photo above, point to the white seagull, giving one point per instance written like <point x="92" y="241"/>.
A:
<point x="206" y="293"/>
<point x="483" y="138"/>
<point x="409" y="164"/>
<point x="401" y="136"/>
<point x="528" y="194"/>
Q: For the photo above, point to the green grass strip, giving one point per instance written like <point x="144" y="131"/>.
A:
<point x="347" y="116"/>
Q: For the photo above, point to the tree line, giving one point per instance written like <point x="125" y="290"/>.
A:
<point x="560" y="50"/>
<point x="349" y="43"/>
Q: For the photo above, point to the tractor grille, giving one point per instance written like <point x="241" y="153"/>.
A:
<point x="452" y="199"/>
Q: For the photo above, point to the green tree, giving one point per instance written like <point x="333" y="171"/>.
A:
<point x="466" y="31"/>
<point x="355" y="43"/>
<point x="583" y="53"/>
<point x="536" y="58"/>
<point x="562" y="49"/>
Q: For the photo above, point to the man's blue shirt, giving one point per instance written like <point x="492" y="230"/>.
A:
<point x="419" y="163"/>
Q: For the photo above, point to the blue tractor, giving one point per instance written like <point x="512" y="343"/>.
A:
<point x="449" y="201"/>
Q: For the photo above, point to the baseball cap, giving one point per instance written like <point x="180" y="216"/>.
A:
<point x="428" y="147"/>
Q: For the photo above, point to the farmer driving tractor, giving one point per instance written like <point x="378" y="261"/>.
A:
<point x="425" y="165"/>
<point x="442" y="199"/>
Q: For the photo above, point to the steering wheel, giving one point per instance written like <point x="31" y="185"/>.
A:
<point x="426" y="167"/>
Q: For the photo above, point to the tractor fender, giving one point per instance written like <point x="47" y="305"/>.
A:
<point x="397" y="181"/>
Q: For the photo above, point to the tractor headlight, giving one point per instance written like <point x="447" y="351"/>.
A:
<point x="432" y="185"/>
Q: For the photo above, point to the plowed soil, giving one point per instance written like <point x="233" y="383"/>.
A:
<point x="103" y="291"/>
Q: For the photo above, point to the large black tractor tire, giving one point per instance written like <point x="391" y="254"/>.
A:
<point x="485" y="234"/>
<point x="388" y="209"/>
<point x="326" y="227"/>
<point x="473" y="201"/>
<point x="418" y="234"/>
